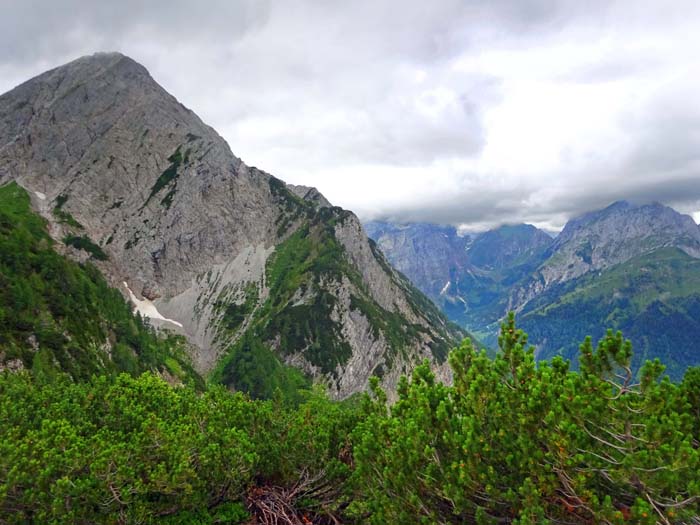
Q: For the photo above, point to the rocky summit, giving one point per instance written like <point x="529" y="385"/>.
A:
<point x="263" y="278"/>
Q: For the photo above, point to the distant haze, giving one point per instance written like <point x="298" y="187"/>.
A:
<point x="471" y="113"/>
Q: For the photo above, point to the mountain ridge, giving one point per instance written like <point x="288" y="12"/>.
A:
<point x="464" y="274"/>
<point x="604" y="238"/>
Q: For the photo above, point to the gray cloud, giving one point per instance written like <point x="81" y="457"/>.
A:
<point x="35" y="30"/>
<point x="473" y="113"/>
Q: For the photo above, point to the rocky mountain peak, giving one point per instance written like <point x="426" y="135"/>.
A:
<point x="604" y="238"/>
<point x="204" y="245"/>
<point x="311" y="195"/>
<point x="88" y="69"/>
<point x="624" y="227"/>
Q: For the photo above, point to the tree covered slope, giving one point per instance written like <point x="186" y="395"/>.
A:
<point x="653" y="298"/>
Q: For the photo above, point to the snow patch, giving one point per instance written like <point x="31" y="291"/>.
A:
<point x="147" y="308"/>
<point x="40" y="195"/>
<point x="444" y="288"/>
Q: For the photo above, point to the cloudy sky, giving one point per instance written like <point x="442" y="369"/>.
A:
<point x="469" y="112"/>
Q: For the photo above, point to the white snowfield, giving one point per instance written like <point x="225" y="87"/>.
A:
<point x="147" y="308"/>
<point x="40" y="195"/>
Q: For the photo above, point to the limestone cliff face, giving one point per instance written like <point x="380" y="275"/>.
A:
<point x="432" y="256"/>
<point x="200" y="236"/>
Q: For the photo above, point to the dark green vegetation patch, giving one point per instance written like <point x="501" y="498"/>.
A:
<point x="169" y="177"/>
<point x="62" y="215"/>
<point x="252" y="367"/>
<point x="84" y="243"/>
<point x="234" y="313"/>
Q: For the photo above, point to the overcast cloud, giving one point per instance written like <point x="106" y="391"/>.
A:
<point x="472" y="113"/>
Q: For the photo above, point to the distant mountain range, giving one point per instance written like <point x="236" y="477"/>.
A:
<point x="469" y="277"/>
<point x="630" y="267"/>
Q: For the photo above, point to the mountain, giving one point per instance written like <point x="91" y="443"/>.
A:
<point x="653" y="298"/>
<point x="634" y="268"/>
<point x="469" y="277"/>
<point x="508" y="246"/>
<point x="604" y="238"/>
<point x="430" y="255"/>
<point x="59" y="316"/>
<point x="271" y="285"/>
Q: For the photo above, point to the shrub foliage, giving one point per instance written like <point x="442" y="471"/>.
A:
<point x="512" y="441"/>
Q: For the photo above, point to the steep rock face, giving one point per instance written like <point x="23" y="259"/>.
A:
<point x="428" y="254"/>
<point x="121" y="168"/>
<point x="135" y="168"/>
<point x="607" y="237"/>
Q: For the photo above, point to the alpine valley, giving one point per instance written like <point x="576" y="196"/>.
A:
<point x="634" y="268"/>
<point x="116" y="183"/>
